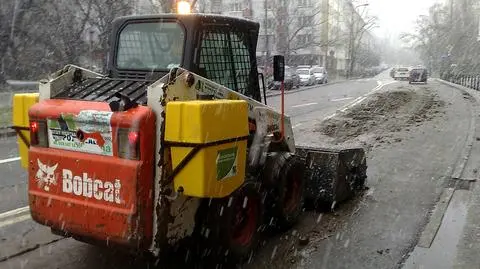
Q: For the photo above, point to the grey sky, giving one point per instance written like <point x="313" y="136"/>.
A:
<point x="396" y="16"/>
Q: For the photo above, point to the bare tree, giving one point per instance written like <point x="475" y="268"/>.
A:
<point x="448" y="35"/>
<point x="294" y="27"/>
<point x="30" y="48"/>
<point x="103" y="14"/>
<point x="358" y="27"/>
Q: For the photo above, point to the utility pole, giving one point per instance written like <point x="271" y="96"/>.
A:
<point x="325" y="31"/>
<point x="451" y="12"/>
<point x="265" y="28"/>
<point x="350" y="43"/>
<point x="281" y="28"/>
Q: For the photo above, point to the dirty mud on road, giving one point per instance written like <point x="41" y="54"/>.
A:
<point x="381" y="114"/>
<point x="412" y="135"/>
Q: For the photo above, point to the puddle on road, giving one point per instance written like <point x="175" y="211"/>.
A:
<point x="443" y="250"/>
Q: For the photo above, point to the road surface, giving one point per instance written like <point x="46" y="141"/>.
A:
<point x="414" y="135"/>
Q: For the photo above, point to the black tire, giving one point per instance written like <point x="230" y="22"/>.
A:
<point x="285" y="187"/>
<point x="290" y="191"/>
<point x="289" y="87"/>
<point x="233" y="224"/>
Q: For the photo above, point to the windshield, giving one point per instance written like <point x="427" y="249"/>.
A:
<point x="303" y="72"/>
<point x="318" y="70"/>
<point x="150" y="46"/>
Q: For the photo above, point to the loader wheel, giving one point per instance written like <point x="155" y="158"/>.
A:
<point x="290" y="191"/>
<point x="235" y="222"/>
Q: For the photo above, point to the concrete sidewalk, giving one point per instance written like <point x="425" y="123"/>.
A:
<point x="451" y="239"/>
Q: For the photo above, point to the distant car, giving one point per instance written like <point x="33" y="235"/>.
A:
<point x="306" y="77"/>
<point x="418" y="74"/>
<point x="401" y="73"/>
<point x="392" y="72"/>
<point x="321" y="75"/>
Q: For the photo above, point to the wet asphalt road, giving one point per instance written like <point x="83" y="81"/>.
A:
<point x="404" y="181"/>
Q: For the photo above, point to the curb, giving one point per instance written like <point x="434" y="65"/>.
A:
<point x="427" y="236"/>
<point x="307" y="88"/>
<point x="470" y="139"/>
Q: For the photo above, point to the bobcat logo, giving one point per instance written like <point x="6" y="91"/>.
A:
<point x="46" y="175"/>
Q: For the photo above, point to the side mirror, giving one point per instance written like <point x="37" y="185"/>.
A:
<point x="278" y="68"/>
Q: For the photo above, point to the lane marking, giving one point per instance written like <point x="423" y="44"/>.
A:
<point x="308" y="104"/>
<point x="341" y="99"/>
<point x="296" y="125"/>
<point x="15" y="220"/>
<point x="9" y="160"/>
<point x="14" y="212"/>
<point x="354" y="103"/>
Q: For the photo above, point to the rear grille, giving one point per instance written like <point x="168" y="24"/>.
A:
<point x="104" y="89"/>
<point x="132" y="75"/>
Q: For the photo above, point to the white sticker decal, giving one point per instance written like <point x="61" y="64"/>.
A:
<point x="89" y="131"/>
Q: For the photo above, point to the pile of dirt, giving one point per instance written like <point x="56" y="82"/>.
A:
<point x="382" y="113"/>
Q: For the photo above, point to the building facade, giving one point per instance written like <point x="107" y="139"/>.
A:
<point x="307" y="32"/>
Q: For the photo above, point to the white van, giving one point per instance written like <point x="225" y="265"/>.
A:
<point x="401" y="73"/>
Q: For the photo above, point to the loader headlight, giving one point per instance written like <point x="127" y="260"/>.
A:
<point x="184" y="7"/>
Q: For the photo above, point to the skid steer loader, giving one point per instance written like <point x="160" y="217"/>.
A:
<point x="174" y="141"/>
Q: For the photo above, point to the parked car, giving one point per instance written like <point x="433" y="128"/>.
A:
<point x="401" y="73"/>
<point x="418" y="74"/>
<point x="392" y="72"/>
<point x="321" y="75"/>
<point x="306" y="77"/>
<point x="292" y="80"/>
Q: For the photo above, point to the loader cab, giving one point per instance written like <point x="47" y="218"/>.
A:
<point x="220" y="48"/>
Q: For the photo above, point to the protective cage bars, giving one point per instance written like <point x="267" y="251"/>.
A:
<point x="225" y="59"/>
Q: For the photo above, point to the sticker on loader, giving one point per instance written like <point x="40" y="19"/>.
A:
<point x="89" y="131"/>
<point x="226" y="163"/>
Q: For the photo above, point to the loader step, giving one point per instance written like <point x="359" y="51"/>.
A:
<point x="104" y="89"/>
